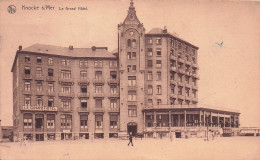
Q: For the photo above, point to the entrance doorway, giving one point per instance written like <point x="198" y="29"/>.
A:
<point x="178" y="134"/>
<point x="132" y="127"/>
<point x="39" y="122"/>
<point x="39" y="137"/>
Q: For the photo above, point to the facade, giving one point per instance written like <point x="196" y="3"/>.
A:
<point x="148" y="85"/>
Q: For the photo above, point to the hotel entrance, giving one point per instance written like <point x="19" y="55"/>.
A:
<point x="132" y="127"/>
<point x="39" y="122"/>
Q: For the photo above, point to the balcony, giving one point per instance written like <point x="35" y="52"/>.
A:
<point x="97" y="95"/>
<point x="83" y="95"/>
<point x="180" y="83"/>
<point x="27" y="92"/>
<point x="180" y="60"/>
<point x="27" y="77"/>
<point x="65" y="80"/>
<point x="98" y="110"/>
<point x="173" y="57"/>
<point x="39" y="130"/>
<point x="188" y="63"/>
<point x="172" y="81"/>
<point x="113" y="95"/>
<point x="173" y="95"/>
<point x="113" y="81"/>
<point x="195" y="65"/>
<point x="188" y="73"/>
<point x="188" y="98"/>
<point x="83" y="81"/>
<point x="195" y="99"/>
<point x="50" y="79"/>
<point x="39" y="77"/>
<point x="162" y="129"/>
<point x="115" y="110"/>
<point x="188" y="85"/>
<point x="83" y="129"/>
<point x="65" y="109"/>
<point x="99" y="81"/>
<point x="195" y="87"/>
<point x="181" y="96"/>
<point x="63" y="94"/>
<point x="149" y="129"/>
<point x="174" y="69"/>
<point x="51" y="94"/>
<point x="38" y="108"/>
<point x="80" y="109"/>
<point x="181" y="71"/>
<point x="39" y="93"/>
<point x="196" y="76"/>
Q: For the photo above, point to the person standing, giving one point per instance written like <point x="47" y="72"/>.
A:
<point x="130" y="139"/>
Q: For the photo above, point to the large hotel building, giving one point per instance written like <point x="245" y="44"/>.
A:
<point x="148" y="85"/>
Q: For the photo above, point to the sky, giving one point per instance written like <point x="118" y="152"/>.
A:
<point x="229" y="73"/>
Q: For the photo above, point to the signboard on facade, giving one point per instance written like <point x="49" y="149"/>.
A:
<point x="39" y="108"/>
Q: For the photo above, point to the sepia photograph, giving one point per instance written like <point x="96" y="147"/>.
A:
<point x="129" y="80"/>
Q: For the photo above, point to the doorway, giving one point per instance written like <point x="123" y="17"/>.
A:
<point x="39" y="137"/>
<point x="132" y="127"/>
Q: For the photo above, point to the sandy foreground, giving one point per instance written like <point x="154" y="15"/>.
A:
<point x="224" y="148"/>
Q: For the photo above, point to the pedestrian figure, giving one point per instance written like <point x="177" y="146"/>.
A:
<point x="130" y="139"/>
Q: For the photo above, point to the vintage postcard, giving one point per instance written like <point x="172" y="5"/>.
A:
<point x="129" y="79"/>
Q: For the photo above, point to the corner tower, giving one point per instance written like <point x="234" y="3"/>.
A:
<point x="131" y="66"/>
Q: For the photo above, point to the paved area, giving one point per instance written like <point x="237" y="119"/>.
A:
<point x="224" y="148"/>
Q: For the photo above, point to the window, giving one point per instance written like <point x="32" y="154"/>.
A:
<point x="84" y="121"/>
<point x="187" y="91"/>
<point x="158" y="63"/>
<point x="131" y="95"/>
<point x="50" y="102"/>
<point x="150" y="41"/>
<point x="134" y="43"/>
<point x="128" y="68"/>
<point x="50" y="120"/>
<point x="113" y="89"/>
<point x="83" y="103"/>
<point x="173" y="101"/>
<point x="186" y="57"/>
<point x="158" y="52"/>
<point x="129" y="42"/>
<point x="113" y="121"/>
<point x="149" y="63"/>
<point x="50" y="87"/>
<point x="187" y="79"/>
<point x="158" y="41"/>
<point x="113" y="74"/>
<point x="27" y="120"/>
<point x="113" y="103"/>
<point x="158" y="76"/>
<point x="149" y="52"/>
<point x="180" y="65"/>
<point x="27" y="86"/>
<point x="66" y="121"/>
<point x="27" y="59"/>
<point x="131" y="68"/>
<point x="179" y="45"/>
<point x="38" y="71"/>
<point x="98" y="103"/>
<point x="83" y="89"/>
<point x="65" y="89"/>
<point x="193" y="60"/>
<point x="187" y="102"/>
<point x="131" y="55"/>
<point x="179" y="54"/>
<point x="134" y="68"/>
<point x="132" y="111"/>
<point x="194" y="93"/>
<point x="180" y="101"/>
<point x="50" y="61"/>
<point x="173" y="63"/>
<point x="150" y="76"/>
<point x="27" y="101"/>
<point x="131" y="80"/>
<point x="180" y="77"/>
<point x="112" y="63"/>
<point x="193" y="70"/>
<point x="83" y="63"/>
<point x="150" y="102"/>
<point x="50" y="72"/>
<point x="150" y="89"/>
<point x="172" y="89"/>
<point x="66" y="103"/>
<point x="83" y="74"/>
<point x="27" y="70"/>
<point x="99" y="121"/>
<point x="98" y="74"/>
<point x="65" y="62"/>
<point x="98" y="63"/>
<point x="187" y="68"/>
<point x="39" y="87"/>
<point x="186" y="48"/>
<point x="39" y="101"/>
<point x="98" y="88"/>
<point x="172" y="42"/>
<point x="194" y="81"/>
<point x="65" y="74"/>
<point x="131" y="33"/>
<point x="39" y="60"/>
<point x="172" y="76"/>
<point x="159" y="89"/>
<point x="158" y="101"/>
<point x="180" y="90"/>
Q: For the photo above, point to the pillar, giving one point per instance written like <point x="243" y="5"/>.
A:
<point x="154" y="124"/>
<point x="1" y="133"/>
<point x="45" y="126"/>
<point x="200" y="118"/>
<point x="230" y="120"/>
<point x="224" y="120"/>
<point x="179" y="120"/>
<point x="170" y="118"/>
<point x="185" y="116"/>
<point x="144" y="121"/>
<point x="204" y="122"/>
<point x="33" y="126"/>
<point x="218" y="120"/>
<point x="211" y="122"/>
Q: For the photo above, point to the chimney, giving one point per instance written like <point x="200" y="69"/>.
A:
<point x="164" y="29"/>
<point x="93" y="48"/>
<point x="70" y="47"/>
<point x="20" y="48"/>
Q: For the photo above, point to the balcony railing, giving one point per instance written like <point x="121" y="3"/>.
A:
<point x="196" y="76"/>
<point x="188" y="63"/>
<point x="39" y="77"/>
<point x="52" y="94"/>
<point x="181" y="71"/>
<point x="65" y="109"/>
<point x="98" y="94"/>
<point x="83" y="81"/>
<point x="27" y="92"/>
<point x="113" y="81"/>
<point x="65" y="80"/>
<point x="188" y="85"/>
<point x="172" y="81"/>
<point x="195" y="65"/>
<point x="181" y="83"/>
<point x="110" y="109"/>
<point x="195" y="87"/>
<point x="181" y="96"/>
<point x="113" y="95"/>
<point x="99" y="81"/>
<point x="50" y="79"/>
<point x="80" y="109"/>
<point x="173" y="95"/>
<point x="180" y="60"/>
<point x="173" y="69"/>
<point x="195" y="99"/>
<point x="38" y="108"/>
<point x="83" y="95"/>
<point x="27" y="76"/>
<point x="98" y="109"/>
<point x="39" y="93"/>
<point x="173" y="57"/>
<point x="189" y="98"/>
<point x="63" y="94"/>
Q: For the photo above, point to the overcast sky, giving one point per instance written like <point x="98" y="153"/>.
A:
<point x="229" y="74"/>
